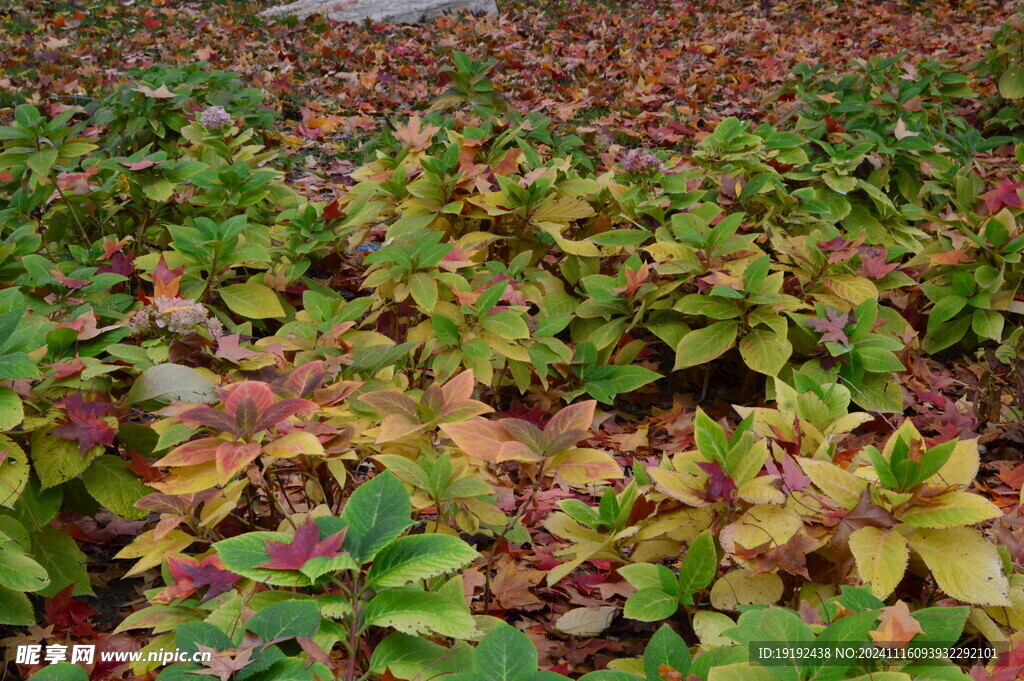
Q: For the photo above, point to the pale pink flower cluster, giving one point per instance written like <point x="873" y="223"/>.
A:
<point x="642" y="162"/>
<point x="215" y="118"/>
<point x="176" y="316"/>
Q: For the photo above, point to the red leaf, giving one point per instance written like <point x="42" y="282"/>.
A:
<point x="65" y="369"/>
<point x="332" y="211"/>
<point x="210" y="573"/>
<point x="192" y="453"/>
<point x="229" y="349"/>
<point x="307" y="378"/>
<point x="232" y="457"/>
<point x="64" y="612"/>
<point x="206" y="415"/>
<point x="282" y="410"/>
<point x="305" y="545"/>
<point x="140" y="165"/>
<point x="165" y="280"/>
<point x="832" y="328"/>
<point x="248" y="398"/>
<point x="1005" y="194"/>
<point x="85" y="423"/>
<point x="872" y="262"/>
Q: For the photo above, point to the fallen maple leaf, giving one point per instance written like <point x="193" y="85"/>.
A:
<point x="901" y="131"/>
<point x="873" y="262"/>
<point x="305" y="545"/>
<point x="669" y="673"/>
<point x="229" y="349"/>
<point x="949" y="257"/>
<point x="896" y="627"/>
<point x="165" y="279"/>
<point x="159" y="93"/>
<point x="1004" y="194"/>
<point x="190" y="575"/>
<point x="65" y="613"/>
<point x="832" y="329"/>
<point x="223" y="663"/>
<point x="86" y="423"/>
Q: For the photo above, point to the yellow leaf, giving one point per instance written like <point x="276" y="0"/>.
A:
<point x="952" y="509"/>
<point x="881" y="557"/>
<point x="294" y="444"/>
<point x="562" y="209"/>
<point x="852" y="288"/>
<point x="151" y="550"/>
<point x="588" y="621"/>
<point x="742" y="587"/>
<point x="965" y="565"/>
<point x="581" y="466"/>
<point x="681" y="486"/>
<point x="840" y="485"/>
<point x="962" y="467"/>
<point x="774" y="525"/>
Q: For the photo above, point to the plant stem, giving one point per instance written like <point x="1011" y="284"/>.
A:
<point x="71" y="209"/>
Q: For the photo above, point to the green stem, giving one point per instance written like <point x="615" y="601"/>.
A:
<point x="71" y="209"/>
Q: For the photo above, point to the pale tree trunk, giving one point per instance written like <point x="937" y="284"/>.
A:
<point x="391" y="11"/>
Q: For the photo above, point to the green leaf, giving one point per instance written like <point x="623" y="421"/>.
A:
<point x="505" y="654"/>
<point x="613" y="379"/>
<point x="878" y="392"/>
<point x="988" y="324"/>
<point x="667" y="648"/>
<point x="158" y="191"/>
<point x="12" y="412"/>
<point x="446" y="330"/>
<point x="420" y="556"/>
<point x="190" y="635"/>
<point x="699" y="565"/>
<point x="423" y="287"/>
<point x="18" y="571"/>
<point x="941" y="624"/>
<point x="111" y="483"/>
<point x="416" y="612"/>
<point x="42" y="161"/>
<point x="376" y="513"/>
<point x="650" y="605"/>
<point x="56" y="460"/>
<point x="703" y="345"/>
<point x="62" y="671"/>
<point x="245" y="552"/>
<point x="252" y="301"/>
<point x="14" y="474"/>
<point x="765" y="351"/>
<point x="878" y="360"/>
<point x="17" y="365"/>
<point x="32" y="507"/>
<point x="287" y="619"/>
<point x="709" y="437"/>
<point x="649" y="576"/>
<point x="1011" y="83"/>
<point x="15" y="608"/>
<point x="63" y="561"/>
<point x="507" y="324"/>
<point x="407" y="657"/>
<point x="621" y="237"/>
<point x="171" y="381"/>
<point x="945" y="309"/>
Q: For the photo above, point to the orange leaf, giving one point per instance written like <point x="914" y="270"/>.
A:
<point x="896" y="627"/>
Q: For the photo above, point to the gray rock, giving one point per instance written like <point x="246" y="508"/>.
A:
<point x="390" y="11"/>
